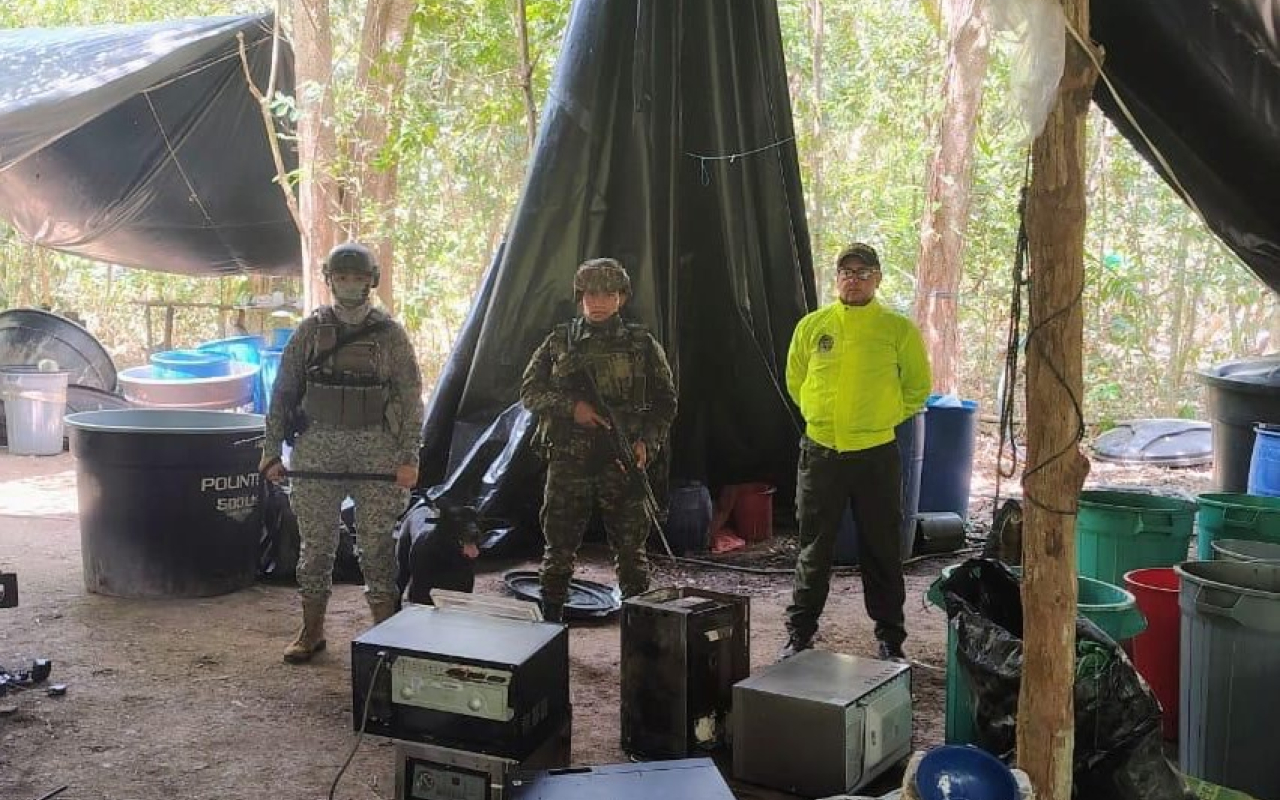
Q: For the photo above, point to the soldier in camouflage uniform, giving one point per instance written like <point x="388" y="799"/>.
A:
<point x="634" y="381"/>
<point x="349" y="396"/>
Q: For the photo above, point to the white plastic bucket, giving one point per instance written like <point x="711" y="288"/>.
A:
<point x="34" y="405"/>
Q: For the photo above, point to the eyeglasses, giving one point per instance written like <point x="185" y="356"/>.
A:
<point x="861" y="273"/>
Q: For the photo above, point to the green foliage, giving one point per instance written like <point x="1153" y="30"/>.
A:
<point x="1162" y="295"/>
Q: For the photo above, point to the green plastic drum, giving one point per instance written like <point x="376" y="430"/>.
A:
<point x="1118" y="532"/>
<point x="1236" y="516"/>
<point x="1111" y="608"/>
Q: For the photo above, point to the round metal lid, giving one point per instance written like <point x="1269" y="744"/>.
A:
<point x="587" y="599"/>
<point x="1162" y="442"/>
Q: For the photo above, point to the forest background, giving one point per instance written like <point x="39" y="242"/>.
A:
<point x="1163" y="297"/>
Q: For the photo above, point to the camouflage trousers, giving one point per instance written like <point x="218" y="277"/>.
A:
<point x="573" y="491"/>
<point x="317" y="503"/>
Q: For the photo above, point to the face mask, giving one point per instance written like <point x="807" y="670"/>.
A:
<point x="350" y="295"/>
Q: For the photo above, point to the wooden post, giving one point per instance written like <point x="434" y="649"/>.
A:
<point x="1056" y="468"/>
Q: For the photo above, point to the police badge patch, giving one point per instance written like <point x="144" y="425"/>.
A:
<point x="826" y="342"/>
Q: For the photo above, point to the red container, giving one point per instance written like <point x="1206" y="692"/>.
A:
<point x="753" y="511"/>
<point x="1155" y="650"/>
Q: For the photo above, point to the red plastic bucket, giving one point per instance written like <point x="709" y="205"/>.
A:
<point x="753" y="511"/>
<point x="1155" y="651"/>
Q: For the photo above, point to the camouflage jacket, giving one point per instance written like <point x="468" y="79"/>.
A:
<point x="630" y="370"/>
<point x="397" y="370"/>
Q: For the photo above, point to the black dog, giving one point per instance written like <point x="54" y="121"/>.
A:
<point x="436" y="549"/>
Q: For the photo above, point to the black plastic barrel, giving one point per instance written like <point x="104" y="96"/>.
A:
<point x="169" y="501"/>
<point x="1240" y="394"/>
<point x="28" y="335"/>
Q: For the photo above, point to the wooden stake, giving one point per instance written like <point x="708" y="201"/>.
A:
<point x="1056" y="468"/>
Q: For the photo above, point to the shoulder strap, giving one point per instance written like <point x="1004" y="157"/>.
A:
<point x="347" y="338"/>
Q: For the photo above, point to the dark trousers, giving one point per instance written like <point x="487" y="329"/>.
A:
<point x="870" y="480"/>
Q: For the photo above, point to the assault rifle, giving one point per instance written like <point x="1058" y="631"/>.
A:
<point x="625" y="456"/>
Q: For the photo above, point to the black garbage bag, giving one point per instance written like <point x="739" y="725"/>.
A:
<point x="1118" y="753"/>
<point x="280" y="544"/>
<point x="429" y="543"/>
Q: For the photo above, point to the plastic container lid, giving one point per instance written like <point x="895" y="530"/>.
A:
<point x="1166" y="442"/>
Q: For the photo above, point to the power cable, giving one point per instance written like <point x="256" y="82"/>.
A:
<point x="364" y="720"/>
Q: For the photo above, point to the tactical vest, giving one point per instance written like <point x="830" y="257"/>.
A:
<point x="344" y="389"/>
<point x="621" y="372"/>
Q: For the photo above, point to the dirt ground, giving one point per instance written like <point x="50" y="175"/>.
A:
<point x="189" y="698"/>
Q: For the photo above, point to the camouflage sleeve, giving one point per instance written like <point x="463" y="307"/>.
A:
<point x="289" y="385"/>
<point x="538" y="392"/>
<point x="663" y="408"/>
<point x="404" y="405"/>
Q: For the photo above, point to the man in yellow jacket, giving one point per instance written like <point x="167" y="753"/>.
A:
<point x="856" y="370"/>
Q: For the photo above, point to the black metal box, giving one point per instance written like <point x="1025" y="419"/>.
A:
<point x="432" y="772"/>
<point x="462" y="680"/>
<point x="683" y="649"/>
<point x="687" y="779"/>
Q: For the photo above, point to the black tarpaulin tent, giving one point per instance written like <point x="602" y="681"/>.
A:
<point x="667" y="143"/>
<point x="142" y="145"/>
<point x="1202" y="79"/>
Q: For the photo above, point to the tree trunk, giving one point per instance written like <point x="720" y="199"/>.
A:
<point x="1056" y="468"/>
<point x="950" y="181"/>
<point x="526" y="74"/>
<point x="318" y="194"/>
<point x="370" y="199"/>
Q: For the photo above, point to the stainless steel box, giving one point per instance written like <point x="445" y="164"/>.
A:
<point x="821" y="723"/>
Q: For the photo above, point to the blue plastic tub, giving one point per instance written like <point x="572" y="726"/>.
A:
<point x="247" y="350"/>
<point x="186" y="364"/>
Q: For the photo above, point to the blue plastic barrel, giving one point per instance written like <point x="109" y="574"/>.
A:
<point x="910" y="437"/>
<point x="248" y="350"/>
<point x="688" y="518"/>
<point x="186" y="364"/>
<point x="280" y="337"/>
<point x="270" y="368"/>
<point x="951" y="428"/>
<point x="1264" y="466"/>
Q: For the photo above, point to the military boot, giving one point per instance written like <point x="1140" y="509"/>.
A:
<point x="310" y="639"/>
<point x="383" y="609"/>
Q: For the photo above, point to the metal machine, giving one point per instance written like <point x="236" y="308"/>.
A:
<point x="431" y="772"/>
<point x="683" y="649"/>
<point x="461" y="680"/>
<point x="820" y="723"/>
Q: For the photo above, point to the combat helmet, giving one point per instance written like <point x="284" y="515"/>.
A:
<point x="601" y="275"/>
<point x="352" y="257"/>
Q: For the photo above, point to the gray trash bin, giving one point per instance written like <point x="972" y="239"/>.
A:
<point x="1230" y="670"/>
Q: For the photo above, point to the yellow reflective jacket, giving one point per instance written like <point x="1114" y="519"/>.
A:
<point x="856" y="372"/>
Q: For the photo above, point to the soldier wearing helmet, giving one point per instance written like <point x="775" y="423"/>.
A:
<point x="348" y="397"/>
<point x="630" y="371"/>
